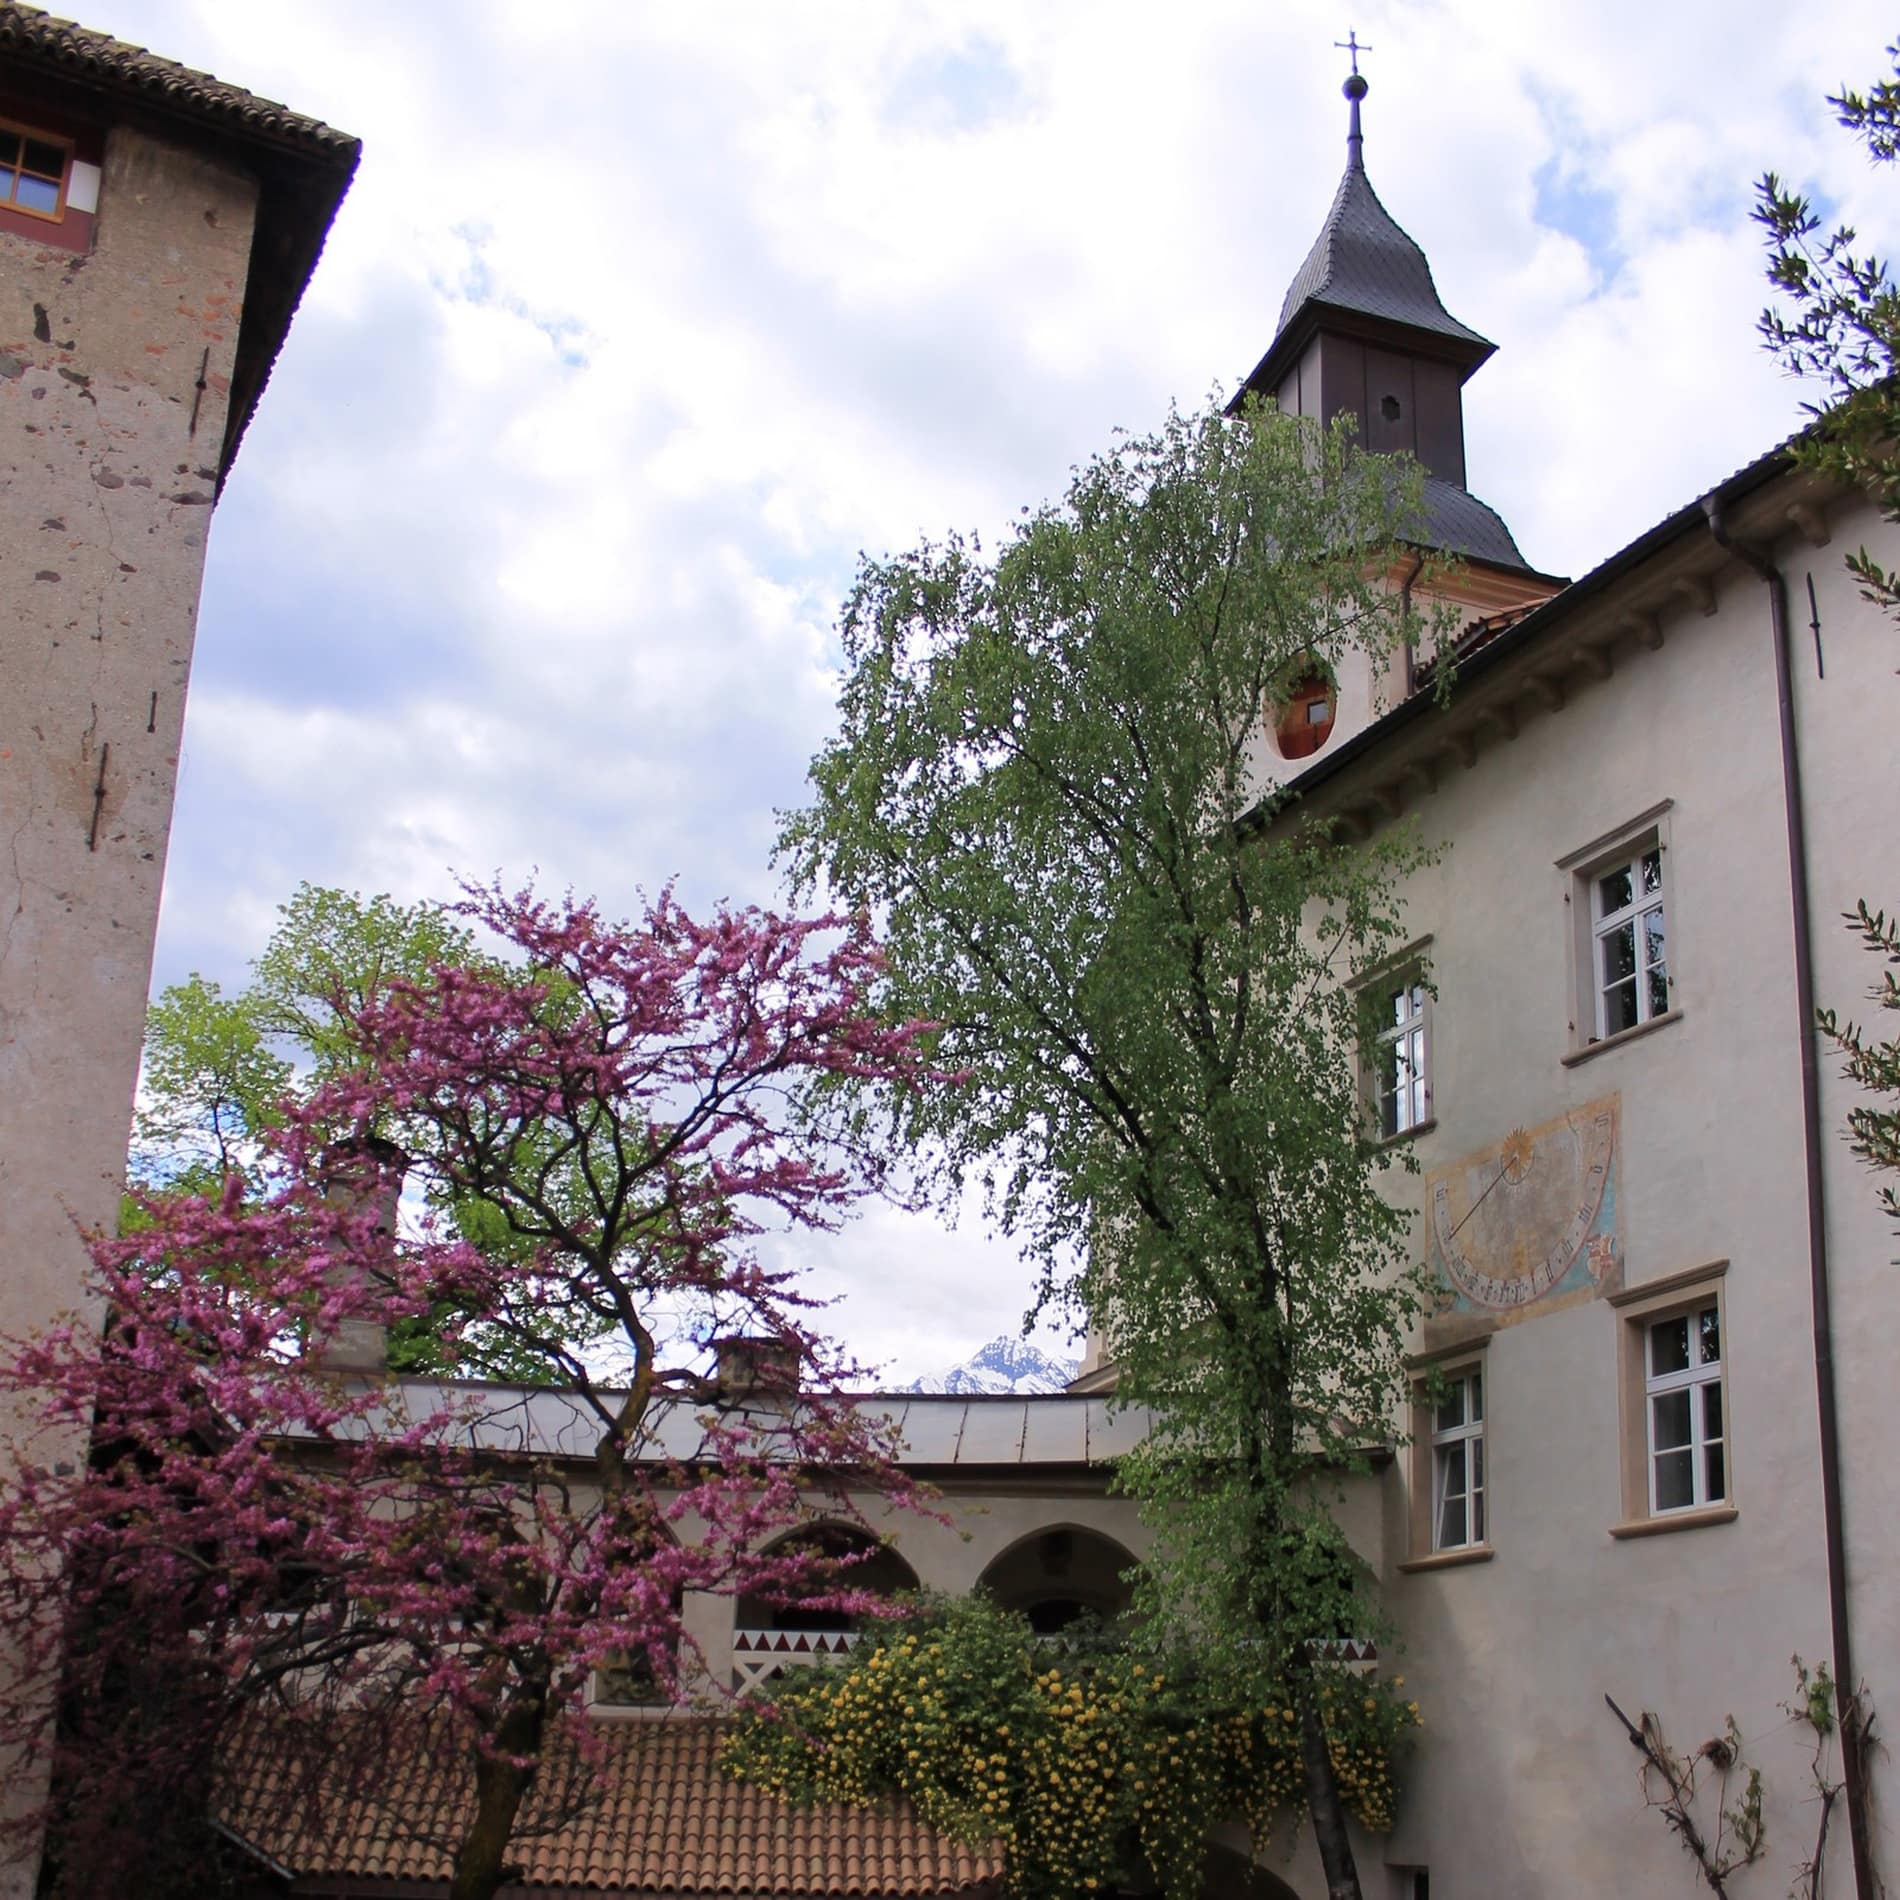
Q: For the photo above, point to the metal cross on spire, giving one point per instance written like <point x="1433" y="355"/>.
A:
<point x="1355" y="89"/>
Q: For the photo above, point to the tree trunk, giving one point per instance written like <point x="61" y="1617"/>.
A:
<point x="481" y="1862"/>
<point x="1266" y="1457"/>
<point x="1329" y="1812"/>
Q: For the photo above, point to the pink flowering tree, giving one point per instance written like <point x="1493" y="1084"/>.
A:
<point x="590" y="1133"/>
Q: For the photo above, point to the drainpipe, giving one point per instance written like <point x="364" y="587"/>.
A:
<point x="1405" y="607"/>
<point x="1853" y="1765"/>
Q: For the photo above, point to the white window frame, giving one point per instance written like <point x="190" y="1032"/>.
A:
<point x="1404" y="1054"/>
<point x="1646" y="901"/>
<point x="1404" y="977"/>
<point x="1639" y="1308"/>
<point x="1593" y="927"/>
<point x="1700" y="1374"/>
<point x="1469" y="1436"/>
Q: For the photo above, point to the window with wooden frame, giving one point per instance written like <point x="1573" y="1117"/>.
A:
<point x="1677" y="1464"/>
<point x="34" y="169"/>
<point x="1303" y="713"/>
<point x="638" y="1679"/>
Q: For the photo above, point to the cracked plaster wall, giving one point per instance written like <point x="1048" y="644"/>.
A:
<point x="106" y="492"/>
<point x="107" y="478"/>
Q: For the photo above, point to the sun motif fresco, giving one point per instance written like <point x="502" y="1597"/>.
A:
<point x="1527" y="1225"/>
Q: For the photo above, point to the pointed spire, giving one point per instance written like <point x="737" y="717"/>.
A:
<point x="1355" y="89"/>
<point x="1362" y="333"/>
<point x="1362" y="262"/>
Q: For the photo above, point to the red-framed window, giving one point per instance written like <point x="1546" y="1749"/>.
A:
<point x="1304" y="718"/>
<point x="51" y="167"/>
<point x="34" y="170"/>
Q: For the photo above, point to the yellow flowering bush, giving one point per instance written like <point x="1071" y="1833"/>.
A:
<point x="1084" y="1764"/>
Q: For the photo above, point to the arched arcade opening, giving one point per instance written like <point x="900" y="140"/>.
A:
<point x="1059" y="1575"/>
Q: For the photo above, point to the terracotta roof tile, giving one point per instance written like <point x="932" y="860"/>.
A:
<point x="94" y="58"/>
<point x="303" y="166"/>
<point x="657" y="1819"/>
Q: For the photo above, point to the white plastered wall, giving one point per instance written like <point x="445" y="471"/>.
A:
<point x="1524" y="1783"/>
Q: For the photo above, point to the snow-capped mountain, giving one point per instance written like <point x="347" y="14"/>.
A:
<point x="1004" y="1365"/>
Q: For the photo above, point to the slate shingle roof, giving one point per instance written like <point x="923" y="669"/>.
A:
<point x="659" y="1822"/>
<point x="1363" y="261"/>
<point x="1457" y="521"/>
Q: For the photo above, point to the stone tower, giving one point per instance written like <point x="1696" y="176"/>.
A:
<point x="157" y="229"/>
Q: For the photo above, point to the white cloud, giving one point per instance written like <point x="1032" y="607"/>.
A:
<point x="641" y="320"/>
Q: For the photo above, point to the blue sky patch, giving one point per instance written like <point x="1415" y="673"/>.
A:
<point x="963" y="90"/>
<point x="1564" y="199"/>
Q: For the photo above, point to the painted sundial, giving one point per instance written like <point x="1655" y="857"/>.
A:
<point x="1529" y="1223"/>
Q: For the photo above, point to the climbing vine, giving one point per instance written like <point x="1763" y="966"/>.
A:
<point x="1084" y="1764"/>
<point x="1671" y="1784"/>
<point x="1721" y="1827"/>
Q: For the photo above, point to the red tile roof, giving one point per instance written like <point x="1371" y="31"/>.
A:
<point x="658" y="1819"/>
<point x="42" y="40"/>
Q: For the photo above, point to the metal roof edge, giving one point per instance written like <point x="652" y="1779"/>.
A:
<point x="250" y="1847"/>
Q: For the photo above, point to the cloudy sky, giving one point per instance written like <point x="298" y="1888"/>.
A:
<point x="643" y="319"/>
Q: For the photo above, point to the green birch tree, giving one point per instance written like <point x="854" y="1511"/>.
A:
<point x="1046" y="785"/>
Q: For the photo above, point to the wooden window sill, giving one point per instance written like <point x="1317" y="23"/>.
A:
<point x="1675" y="1521"/>
<point x="1622" y="1036"/>
<point x="1449" y="1559"/>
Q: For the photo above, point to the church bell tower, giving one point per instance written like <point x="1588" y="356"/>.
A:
<point x="1363" y="333"/>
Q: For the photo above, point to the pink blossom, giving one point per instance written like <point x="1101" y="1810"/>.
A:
<point x="623" y="1106"/>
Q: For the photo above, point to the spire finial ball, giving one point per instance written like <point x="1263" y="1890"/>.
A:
<point x="1355" y="87"/>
